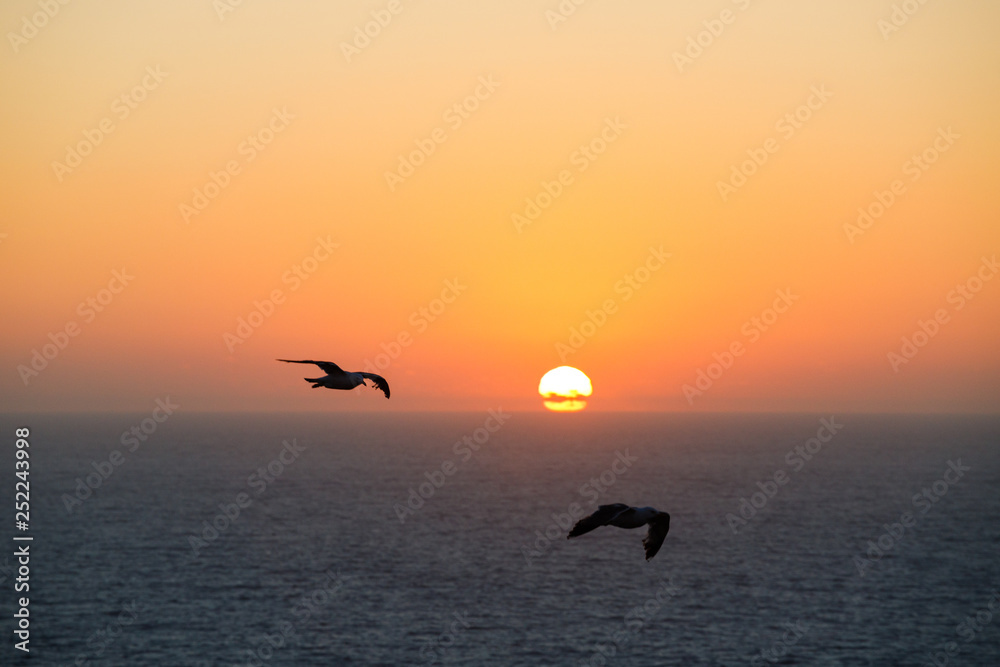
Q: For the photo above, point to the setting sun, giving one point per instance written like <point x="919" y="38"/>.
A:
<point x="565" y="389"/>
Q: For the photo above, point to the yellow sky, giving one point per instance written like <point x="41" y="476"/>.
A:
<point x="483" y="179"/>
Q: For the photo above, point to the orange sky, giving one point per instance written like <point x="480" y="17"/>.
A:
<point x="614" y="122"/>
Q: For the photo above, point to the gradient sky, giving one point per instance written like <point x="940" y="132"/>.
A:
<point x="337" y="123"/>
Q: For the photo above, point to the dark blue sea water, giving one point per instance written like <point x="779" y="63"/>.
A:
<point x="440" y="539"/>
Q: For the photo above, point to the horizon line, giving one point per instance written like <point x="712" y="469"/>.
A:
<point x="518" y="411"/>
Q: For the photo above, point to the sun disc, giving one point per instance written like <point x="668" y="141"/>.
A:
<point x="565" y="389"/>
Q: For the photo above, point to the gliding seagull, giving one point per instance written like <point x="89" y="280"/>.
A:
<point x="623" y="516"/>
<point x="337" y="378"/>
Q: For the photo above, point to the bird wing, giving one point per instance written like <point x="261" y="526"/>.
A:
<point x="379" y="382"/>
<point x="601" y="517"/>
<point x="327" y="367"/>
<point x="657" y="532"/>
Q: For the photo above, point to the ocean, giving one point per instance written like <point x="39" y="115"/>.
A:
<point x="418" y="539"/>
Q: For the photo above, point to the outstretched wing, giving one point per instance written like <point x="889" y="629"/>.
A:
<point x="327" y="367"/>
<point x="603" y="515"/>
<point x="657" y="532"/>
<point x="379" y="382"/>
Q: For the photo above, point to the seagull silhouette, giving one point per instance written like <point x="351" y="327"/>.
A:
<point x="337" y="378"/>
<point x="623" y="516"/>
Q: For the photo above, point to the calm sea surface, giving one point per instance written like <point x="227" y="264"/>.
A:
<point x="440" y="539"/>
